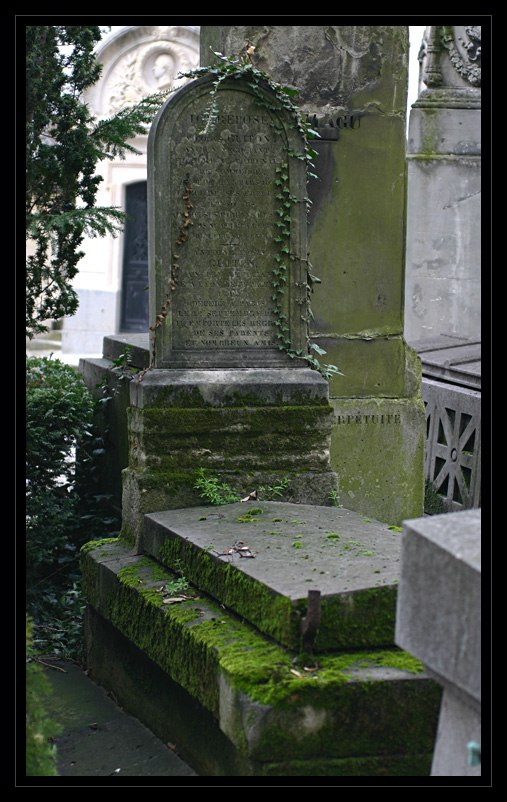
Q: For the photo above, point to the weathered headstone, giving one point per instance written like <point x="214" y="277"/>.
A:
<point x="217" y="228"/>
<point x="229" y="389"/>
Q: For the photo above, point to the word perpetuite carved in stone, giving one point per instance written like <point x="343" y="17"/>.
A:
<point x="360" y="418"/>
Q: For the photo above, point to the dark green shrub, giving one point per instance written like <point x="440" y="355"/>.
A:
<point x="59" y="412"/>
<point x="64" y="506"/>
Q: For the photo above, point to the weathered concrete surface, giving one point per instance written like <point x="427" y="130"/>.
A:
<point x="439" y="615"/>
<point x="443" y="261"/>
<point x="352" y="560"/>
<point x="98" y="739"/>
<point x="439" y="621"/>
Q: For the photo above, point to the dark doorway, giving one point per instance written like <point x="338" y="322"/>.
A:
<point x="134" y="300"/>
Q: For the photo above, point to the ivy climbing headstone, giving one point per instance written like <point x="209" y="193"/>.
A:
<point x="227" y="218"/>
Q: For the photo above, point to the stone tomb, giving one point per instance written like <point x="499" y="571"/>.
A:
<point x="278" y="656"/>
<point x="217" y="230"/>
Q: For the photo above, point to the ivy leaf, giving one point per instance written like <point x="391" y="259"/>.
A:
<point x="289" y="91"/>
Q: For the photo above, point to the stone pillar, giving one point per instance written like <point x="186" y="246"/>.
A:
<point x="352" y="83"/>
<point x="443" y="286"/>
<point x="438" y="620"/>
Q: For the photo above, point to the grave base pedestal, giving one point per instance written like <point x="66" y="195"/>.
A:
<point x="248" y="428"/>
<point x="234" y="701"/>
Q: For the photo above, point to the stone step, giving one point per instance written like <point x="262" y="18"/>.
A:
<point x="261" y="559"/>
<point x="245" y="706"/>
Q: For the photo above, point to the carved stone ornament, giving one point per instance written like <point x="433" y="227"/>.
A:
<point x="429" y="56"/>
<point x="465" y="51"/>
<point x="463" y="44"/>
<point x="141" y="60"/>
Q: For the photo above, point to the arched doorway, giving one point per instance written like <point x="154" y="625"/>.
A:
<point x="134" y="297"/>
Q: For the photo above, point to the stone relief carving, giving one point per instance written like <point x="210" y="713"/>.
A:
<point x="141" y="60"/>
<point x="429" y="56"/>
<point x="463" y="44"/>
<point x="152" y="68"/>
<point x="465" y="52"/>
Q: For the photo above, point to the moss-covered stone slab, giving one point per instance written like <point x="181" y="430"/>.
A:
<point x="292" y="548"/>
<point x="277" y="715"/>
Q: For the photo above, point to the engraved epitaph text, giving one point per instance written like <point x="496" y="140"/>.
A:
<point x="222" y="186"/>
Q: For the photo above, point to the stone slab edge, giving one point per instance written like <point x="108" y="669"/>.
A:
<point x="248" y="682"/>
<point x="274" y="598"/>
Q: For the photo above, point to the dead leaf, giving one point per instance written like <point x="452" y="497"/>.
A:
<point x="174" y="599"/>
<point x="251" y="497"/>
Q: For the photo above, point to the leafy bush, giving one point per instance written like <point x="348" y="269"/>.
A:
<point x="64" y="507"/>
<point x="58" y="416"/>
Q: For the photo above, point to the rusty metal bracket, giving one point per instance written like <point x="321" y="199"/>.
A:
<point x="310" y="623"/>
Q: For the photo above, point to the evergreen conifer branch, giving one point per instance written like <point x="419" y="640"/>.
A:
<point x="64" y="144"/>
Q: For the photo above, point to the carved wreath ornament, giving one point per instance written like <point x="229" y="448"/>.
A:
<point x="465" y="56"/>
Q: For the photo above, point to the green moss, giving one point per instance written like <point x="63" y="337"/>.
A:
<point x="249" y="516"/>
<point x="127" y="536"/>
<point x="366" y="618"/>
<point x="168" y="439"/>
<point x="196" y="641"/>
<point x="272" y="613"/>
<point x="386" y="766"/>
<point x="97" y="544"/>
